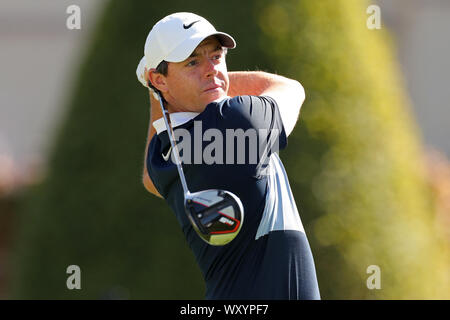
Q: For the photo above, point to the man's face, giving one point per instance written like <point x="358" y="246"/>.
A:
<point x="198" y="80"/>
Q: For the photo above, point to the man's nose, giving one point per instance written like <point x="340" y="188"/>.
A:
<point x="210" y="68"/>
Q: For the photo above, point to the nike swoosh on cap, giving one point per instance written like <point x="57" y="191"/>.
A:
<point x="166" y="157"/>
<point x="189" y="25"/>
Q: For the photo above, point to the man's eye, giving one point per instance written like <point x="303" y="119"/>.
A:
<point x="192" y="63"/>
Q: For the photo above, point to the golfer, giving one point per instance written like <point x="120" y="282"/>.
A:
<point x="184" y="59"/>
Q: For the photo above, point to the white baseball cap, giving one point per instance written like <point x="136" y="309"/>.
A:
<point x="175" y="37"/>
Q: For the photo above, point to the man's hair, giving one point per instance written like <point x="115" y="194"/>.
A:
<point x="163" y="68"/>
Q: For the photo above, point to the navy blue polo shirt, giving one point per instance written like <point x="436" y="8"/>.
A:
<point x="270" y="258"/>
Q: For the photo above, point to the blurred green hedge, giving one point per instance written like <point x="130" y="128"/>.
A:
<point x="354" y="161"/>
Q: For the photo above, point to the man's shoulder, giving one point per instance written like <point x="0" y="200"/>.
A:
<point x="243" y="103"/>
<point x="245" y="99"/>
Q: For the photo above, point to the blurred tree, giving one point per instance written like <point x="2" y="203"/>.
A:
<point x="354" y="161"/>
<point x="92" y="210"/>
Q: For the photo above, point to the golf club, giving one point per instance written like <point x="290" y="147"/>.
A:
<point x="216" y="215"/>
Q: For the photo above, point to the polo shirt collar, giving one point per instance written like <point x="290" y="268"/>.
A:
<point x="178" y="118"/>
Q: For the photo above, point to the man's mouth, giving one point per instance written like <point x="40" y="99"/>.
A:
<point x="211" y="88"/>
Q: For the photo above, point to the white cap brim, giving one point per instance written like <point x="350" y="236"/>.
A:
<point x="185" y="49"/>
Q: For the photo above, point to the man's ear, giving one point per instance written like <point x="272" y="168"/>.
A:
<point x="158" y="80"/>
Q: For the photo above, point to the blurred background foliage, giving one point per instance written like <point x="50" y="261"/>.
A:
<point x="355" y="162"/>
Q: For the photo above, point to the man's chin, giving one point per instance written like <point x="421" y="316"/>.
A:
<point x="215" y="95"/>
<point x="221" y="98"/>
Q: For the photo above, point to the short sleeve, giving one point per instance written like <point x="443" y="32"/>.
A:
<point x="258" y="114"/>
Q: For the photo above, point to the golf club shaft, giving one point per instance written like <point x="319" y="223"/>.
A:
<point x="174" y="146"/>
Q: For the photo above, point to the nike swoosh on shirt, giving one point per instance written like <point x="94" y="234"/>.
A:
<point x="189" y="25"/>
<point x="166" y="157"/>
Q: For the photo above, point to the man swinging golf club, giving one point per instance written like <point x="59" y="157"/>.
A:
<point x="207" y="127"/>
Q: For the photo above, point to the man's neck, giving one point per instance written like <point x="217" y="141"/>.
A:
<point x="156" y="112"/>
<point x="173" y="109"/>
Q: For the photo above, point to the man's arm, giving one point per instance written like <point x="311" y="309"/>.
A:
<point x="289" y="94"/>
<point x="155" y="113"/>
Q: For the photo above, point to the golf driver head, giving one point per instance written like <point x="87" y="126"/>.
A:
<point x="216" y="215"/>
